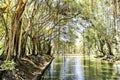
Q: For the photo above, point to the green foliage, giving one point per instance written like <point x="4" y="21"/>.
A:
<point x="43" y="20"/>
<point x="100" y="35"/>
<point x="8" y="65"/>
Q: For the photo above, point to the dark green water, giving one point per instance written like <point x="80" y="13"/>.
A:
<point x="81" y="68"/>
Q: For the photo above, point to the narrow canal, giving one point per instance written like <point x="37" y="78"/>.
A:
<point x="81" y="68"/>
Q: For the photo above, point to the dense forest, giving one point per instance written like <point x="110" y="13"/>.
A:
<point x="33" y="31"/>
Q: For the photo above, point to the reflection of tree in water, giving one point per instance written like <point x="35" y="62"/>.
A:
<point x="77" y="68"/>
<point x="117" y="68"/>
<point x="107" y="71"/>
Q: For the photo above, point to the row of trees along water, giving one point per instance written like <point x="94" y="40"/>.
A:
<point x="102" y="35"/>
<point x="32" y="27"/>
<point x="36" y="27"/>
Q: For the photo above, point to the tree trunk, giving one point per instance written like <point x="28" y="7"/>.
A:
<point x="49" y="49"/>
<point x="14" y="35"/>
<point x="109" y="49"/>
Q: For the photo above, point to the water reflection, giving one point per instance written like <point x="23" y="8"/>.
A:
<point x="81" y="68"/>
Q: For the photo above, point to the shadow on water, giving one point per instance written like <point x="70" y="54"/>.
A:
<point x="81" y="68"/>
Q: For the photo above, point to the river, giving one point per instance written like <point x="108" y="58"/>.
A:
<point x="81" y="68"/>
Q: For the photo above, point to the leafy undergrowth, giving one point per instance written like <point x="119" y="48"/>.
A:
<point x="28" y="68"/>
<point x="8" y="65"/>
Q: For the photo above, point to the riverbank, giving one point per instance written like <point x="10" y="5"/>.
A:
<point x="28" y="68"/>
<point x="109" y="59"/>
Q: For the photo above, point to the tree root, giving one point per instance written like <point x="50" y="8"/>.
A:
<point x="31" y="62"/>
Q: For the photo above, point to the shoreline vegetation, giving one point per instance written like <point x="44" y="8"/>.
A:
<point x="108" y="58"/>
<point x="29" y="68"/>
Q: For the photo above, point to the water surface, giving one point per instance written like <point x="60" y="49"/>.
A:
<point x="81" y="68"/>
